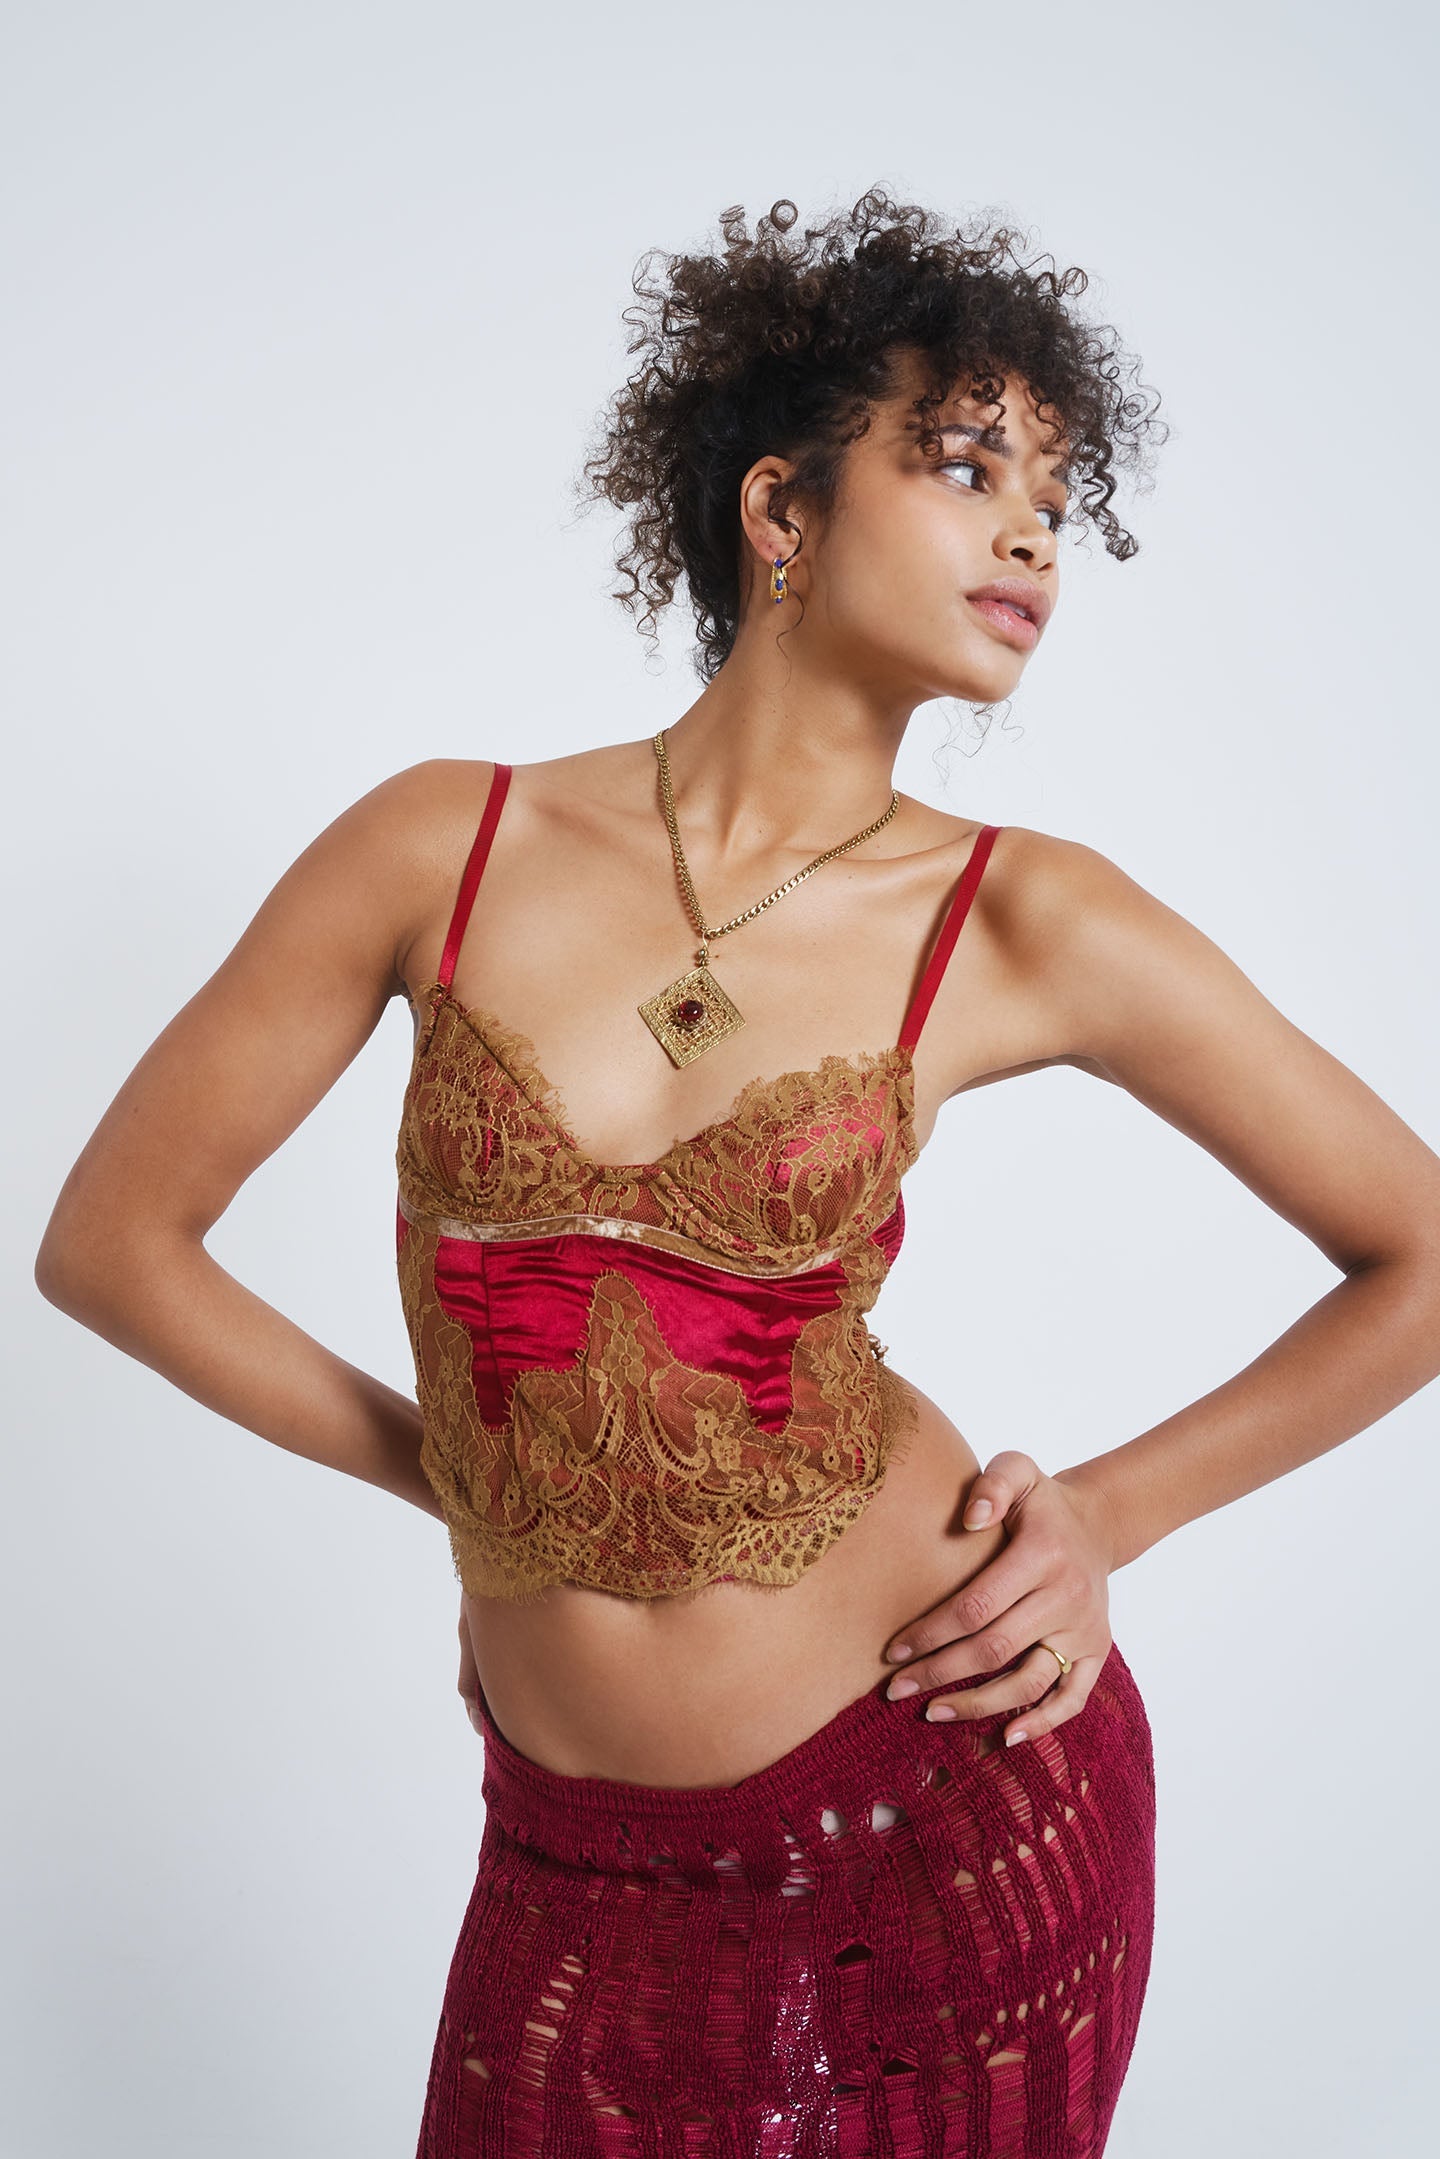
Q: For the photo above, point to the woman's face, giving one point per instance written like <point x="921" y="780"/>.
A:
<point x="891" y="572"/>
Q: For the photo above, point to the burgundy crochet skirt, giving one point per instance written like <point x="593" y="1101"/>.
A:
<point x="900" y="1940"/>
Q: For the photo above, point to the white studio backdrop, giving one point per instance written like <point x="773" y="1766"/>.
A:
<point x="310" y="310"/>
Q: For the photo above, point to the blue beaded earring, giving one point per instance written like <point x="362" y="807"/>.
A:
<point x="778" y="585"/>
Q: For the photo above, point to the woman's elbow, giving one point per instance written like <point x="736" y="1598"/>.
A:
<point x="66" y="1270"/>
<point x="87" y="1260"/>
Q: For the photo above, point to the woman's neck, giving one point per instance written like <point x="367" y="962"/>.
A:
<point x="802" y="769"/>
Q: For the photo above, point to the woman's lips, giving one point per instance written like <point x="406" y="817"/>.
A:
<point x="1015" y="628"/>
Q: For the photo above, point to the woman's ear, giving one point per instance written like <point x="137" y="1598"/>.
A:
<point x="764" y="515"/>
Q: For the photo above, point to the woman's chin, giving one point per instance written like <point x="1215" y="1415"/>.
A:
<point x="981" y="685"/>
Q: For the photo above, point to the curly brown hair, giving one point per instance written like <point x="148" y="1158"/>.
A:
<point x="782" y="344"/>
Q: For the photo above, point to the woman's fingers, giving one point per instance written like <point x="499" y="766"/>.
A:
<point x="1036" y="1618"/>
<point x="1047" y="1585"/>
<point x="1064" y="1699"/>
<point x="1037" y="1691"/>
<point x="1000" y="1483"/>
<point x="1017" y="1570"/>
<point x="1000" y="1486"/>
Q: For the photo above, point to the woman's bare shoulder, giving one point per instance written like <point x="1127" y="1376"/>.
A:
<point x="378" y="871"/>
<point x="433" y="801"/>
<point x="1033" y="880"/>
<point x="1037" y="880"/>
<point x="1139" y="995"/>
<point x="423" y="808"/>
<point x="1054" y="910"/>
<point x="1062" y="902"/>
<point x="1123" y="980"/>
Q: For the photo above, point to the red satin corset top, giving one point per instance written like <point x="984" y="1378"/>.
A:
<point x="647" y="1377"/>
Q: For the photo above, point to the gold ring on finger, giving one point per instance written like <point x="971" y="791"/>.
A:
<point x="1063" y="1662"/>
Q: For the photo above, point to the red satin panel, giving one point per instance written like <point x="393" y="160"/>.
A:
<point x="526" y="1304"/>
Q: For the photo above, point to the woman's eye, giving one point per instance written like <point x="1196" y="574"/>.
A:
<point x="953" y="464"/>
<point x="973" y="464"/>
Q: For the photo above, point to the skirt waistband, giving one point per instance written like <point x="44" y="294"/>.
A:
<point x="873" y="1751"/>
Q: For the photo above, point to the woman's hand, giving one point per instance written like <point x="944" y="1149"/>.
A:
<point x="469" y="1681"/>
<point x="1049" y="1583"/>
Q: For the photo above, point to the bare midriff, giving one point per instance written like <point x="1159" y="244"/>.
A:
<point x="708" y="1689"/>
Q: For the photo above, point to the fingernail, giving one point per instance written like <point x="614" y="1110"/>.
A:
<point x="899" y="1688"/>
<point x="1011" y="1737"/>
<point x="939" y="1710"/>
<point x="978" y="1513"/>
<point x="901" y="1649"/>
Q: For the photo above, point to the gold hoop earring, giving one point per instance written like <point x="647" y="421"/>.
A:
<point x="778" y="585"/>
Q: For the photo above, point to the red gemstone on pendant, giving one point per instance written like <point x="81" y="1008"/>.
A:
<point x="689" y="1012"/>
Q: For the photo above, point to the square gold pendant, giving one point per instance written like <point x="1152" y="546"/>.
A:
<point x="683" y="1032"/>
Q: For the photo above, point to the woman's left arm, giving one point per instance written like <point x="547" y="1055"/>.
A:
<point x="1145" y="1000"/>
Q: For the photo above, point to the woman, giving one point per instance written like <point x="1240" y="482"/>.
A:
<point x="686" y="1012"/>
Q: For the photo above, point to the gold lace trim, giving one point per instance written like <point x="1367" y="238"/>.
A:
<point x="803" y="1161"/>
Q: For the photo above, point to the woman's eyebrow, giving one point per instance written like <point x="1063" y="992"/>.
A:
<point x="990" y="438"/>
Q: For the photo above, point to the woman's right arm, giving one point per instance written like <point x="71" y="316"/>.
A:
<point x="233" y="1074"/>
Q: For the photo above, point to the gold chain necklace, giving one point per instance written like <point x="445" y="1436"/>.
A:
<point x="693" y="1013"/>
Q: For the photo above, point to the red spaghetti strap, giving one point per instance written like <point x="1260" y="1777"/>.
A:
<point x="945" y="942"/>
<point x="479" y="850"/>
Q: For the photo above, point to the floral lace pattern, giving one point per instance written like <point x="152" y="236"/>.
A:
<point x="693" y="1399"/>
